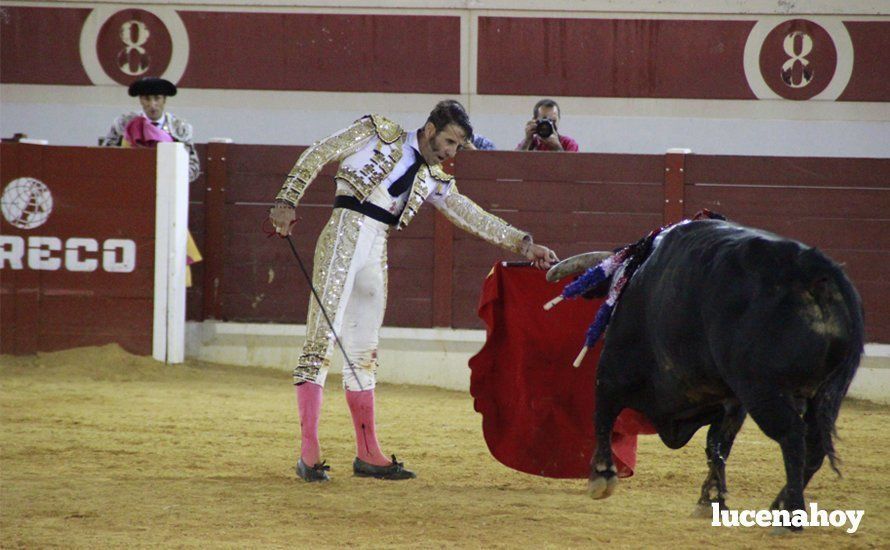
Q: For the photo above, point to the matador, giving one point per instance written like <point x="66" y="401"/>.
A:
<point x="384" y="176"/>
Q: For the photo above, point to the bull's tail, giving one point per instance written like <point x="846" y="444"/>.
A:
<point x="840" y="303"/>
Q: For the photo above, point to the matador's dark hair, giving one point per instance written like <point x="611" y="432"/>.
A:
<point x="448" y="112"/>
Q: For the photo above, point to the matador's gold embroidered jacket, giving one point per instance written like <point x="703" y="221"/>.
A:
<point x="368" y="151"/>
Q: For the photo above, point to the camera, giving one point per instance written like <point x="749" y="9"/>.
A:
<point x="544" y="128"/>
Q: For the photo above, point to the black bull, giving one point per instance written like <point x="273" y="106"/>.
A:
<point x="720" y="321"/>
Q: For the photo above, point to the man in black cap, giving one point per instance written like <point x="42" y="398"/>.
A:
<point x="132" y="129"/>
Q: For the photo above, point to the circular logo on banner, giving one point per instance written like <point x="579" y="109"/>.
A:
<point x="118" y="46"/>
<point x="798" y="59"/>
<point x="26" y="203"/>
<point x="134" y="43"/>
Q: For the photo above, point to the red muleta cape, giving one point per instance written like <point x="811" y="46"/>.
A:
<point x="537" y="410"/>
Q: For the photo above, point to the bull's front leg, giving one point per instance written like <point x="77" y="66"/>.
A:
<point x="603" y="474"/>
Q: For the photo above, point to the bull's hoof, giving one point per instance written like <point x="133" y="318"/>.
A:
<point x="602" y="487"/>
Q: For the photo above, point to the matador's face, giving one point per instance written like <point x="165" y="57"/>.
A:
<point x="437" y="147"/>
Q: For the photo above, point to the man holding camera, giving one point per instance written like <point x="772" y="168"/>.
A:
<point x="541" y="131"/>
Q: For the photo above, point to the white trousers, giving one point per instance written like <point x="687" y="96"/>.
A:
<point x="350" y="277"/>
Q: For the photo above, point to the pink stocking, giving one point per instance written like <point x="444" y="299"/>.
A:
<point x="309" y="398"/>
<point x="361" y="405"/>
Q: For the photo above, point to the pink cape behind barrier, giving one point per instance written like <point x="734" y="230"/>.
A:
<point x="140" y="132"/>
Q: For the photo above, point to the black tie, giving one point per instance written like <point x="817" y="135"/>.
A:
<point x="404" y="183"/>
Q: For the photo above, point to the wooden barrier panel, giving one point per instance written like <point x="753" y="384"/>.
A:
<point x="435" y="271"/>
<point x="198" y="192"/>
<point x="840" y="205"/>
<point x="254" y="277"/>
<point x="86" y="252"/>
<point x="571" y="202"/>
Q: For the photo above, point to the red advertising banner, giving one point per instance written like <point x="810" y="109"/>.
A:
<point x="80" y="233"/>
<point x="77" y="256"/>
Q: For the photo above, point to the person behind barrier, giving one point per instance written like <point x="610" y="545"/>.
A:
<point x="541" y="132"/>
<point x="154" y="124"/>
<point x="385" y="175"/>
<point x="480" y="143"/>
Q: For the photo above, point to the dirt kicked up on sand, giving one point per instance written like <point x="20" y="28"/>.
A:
<point x="104" y="449"/>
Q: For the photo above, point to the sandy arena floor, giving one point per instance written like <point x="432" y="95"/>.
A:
<point x="104" y="449"/>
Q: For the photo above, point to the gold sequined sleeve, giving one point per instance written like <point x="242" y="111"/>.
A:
<point x="473" y="219"/>
<point x="313" y="159"/>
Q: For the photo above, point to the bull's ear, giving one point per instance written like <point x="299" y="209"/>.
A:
<point x="575" y="264"/>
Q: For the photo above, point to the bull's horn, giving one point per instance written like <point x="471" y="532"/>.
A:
<point x="575" y="264"/>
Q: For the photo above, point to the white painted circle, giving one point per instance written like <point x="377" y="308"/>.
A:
<point x="89" y="36"/>
<point x="842" y="43"/>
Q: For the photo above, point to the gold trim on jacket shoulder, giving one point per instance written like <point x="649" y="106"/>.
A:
<point x="387" y="130"/>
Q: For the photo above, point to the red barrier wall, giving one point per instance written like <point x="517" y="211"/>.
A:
<point x="90" y="291"/>
<point x="572" y="202"/>
<point x="841" y="206"/>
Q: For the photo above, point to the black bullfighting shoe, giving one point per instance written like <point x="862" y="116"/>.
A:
<point x="396" y="470"/>
<point x="319" y="472"/>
